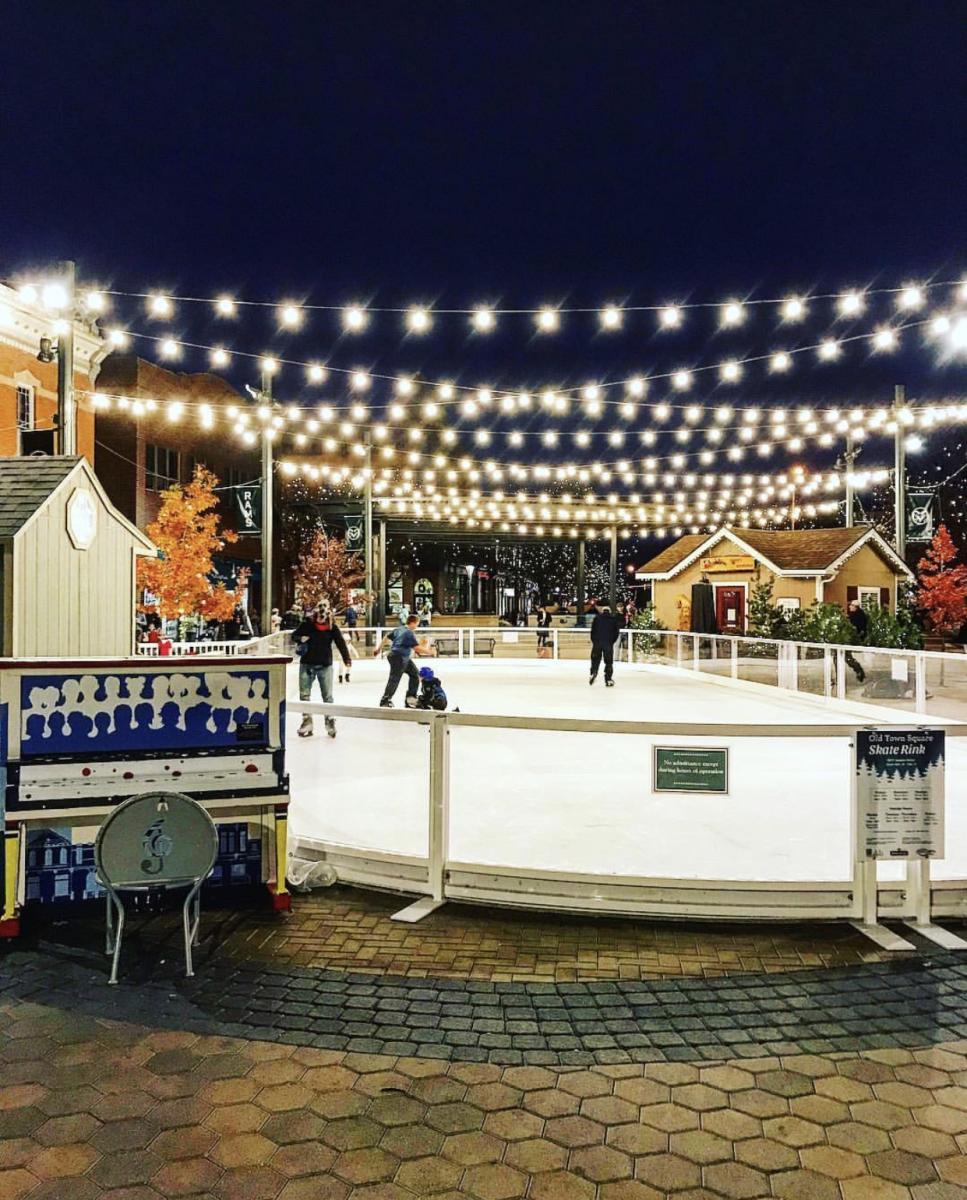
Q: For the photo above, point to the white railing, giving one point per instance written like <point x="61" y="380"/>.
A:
<point x="438" y="876"/>
<point x="273" y="643"/>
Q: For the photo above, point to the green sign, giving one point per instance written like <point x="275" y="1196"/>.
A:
<point x="691" y="769"/>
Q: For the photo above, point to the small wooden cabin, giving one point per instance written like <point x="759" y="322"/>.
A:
<point x="68" y="562"/>
<point x="831" y="566"/>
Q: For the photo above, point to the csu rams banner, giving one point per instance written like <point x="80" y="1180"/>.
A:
<point x="921" y="525"/>
<point x="248" y="507"/>
<point x="354" y="533"/>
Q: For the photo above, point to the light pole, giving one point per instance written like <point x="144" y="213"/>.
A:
<point x="66" y="408"/>
<point x="470" y="568"/>
<point x="368" y="527"/>
<point x="613" y="570"/>
<point x="263" y="395"/>
<point x="899" y="470"/>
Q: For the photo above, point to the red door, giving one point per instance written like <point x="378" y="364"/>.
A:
<point x="730" y="608"/>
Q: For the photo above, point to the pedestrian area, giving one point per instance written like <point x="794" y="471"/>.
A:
<point x="336" y="1055"/>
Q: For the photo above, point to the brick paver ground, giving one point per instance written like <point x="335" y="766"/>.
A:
<point x="839" y="1083"/>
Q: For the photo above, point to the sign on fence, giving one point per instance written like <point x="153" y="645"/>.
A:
<point x="900" y="793"/>
<point x="691" y="769"/>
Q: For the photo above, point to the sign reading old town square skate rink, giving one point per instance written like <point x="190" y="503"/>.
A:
<point x="900" y="793"/>
<point x="691" y="769"/>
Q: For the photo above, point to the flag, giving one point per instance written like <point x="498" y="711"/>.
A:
<point x="920" y="516"/>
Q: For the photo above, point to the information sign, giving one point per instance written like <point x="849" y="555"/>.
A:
<point x="900" y="793"/>
<point x="691" y="769"/>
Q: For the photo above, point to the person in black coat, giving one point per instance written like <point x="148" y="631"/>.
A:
<point x="314" y="641"/>
<point x="604" y="633"/>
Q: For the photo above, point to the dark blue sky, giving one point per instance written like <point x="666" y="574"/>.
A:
<point x="508" y="151"/>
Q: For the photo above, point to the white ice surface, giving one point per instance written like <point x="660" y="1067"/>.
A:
<point x="583" y="802"/>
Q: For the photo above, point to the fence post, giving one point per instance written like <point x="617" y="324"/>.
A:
<point x="678" y="650"/>
<point x="629" y="635"/>
<point x="734" y="644"/>
<point x="554" y="642"/>
<point x="840" y="674"/>
<point x="470" y="640"/>
<point x="696" y="656"/>
<point x="439" y="831"/>
<point x="460" y="643"/>
<point x="920" y="683"/>
<point x="918" y="890"/>
<point x="827" y="674"/>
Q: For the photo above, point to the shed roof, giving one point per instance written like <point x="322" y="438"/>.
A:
<point x="788" y="550"/>
<point x="25" y="483"/>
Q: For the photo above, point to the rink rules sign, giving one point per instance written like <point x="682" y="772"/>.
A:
<point x="900" y="793"/>
<point x="691" y="769"/>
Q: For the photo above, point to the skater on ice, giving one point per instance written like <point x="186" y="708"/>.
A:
<point x="604" y="633"/>
<point x="314" y="640"/>
<point x="402" y="642"/>
<point x="432" y="696"/>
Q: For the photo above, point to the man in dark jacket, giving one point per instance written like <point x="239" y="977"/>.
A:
<point x="314" y="640"/>
<point x="604" y="633"/>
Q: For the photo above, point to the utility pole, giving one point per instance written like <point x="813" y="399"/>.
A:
<point x="268" y="479"/>
<point x="613" y="570"/>
<point x="381" y="575"/>
<point x="66" y="408"/>
<point x="849" y="457"/>
<point x="581" y="598"/>
<point x="899" y="470"/>
<point x="368" y="527"/>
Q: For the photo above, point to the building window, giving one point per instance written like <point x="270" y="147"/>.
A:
<point x="25" y="406"/>
<point x="161" y="468"/>
<point x="869" y="595"/>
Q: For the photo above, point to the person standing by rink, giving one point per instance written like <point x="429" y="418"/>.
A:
<point x="314" y="640"/>
<point x="604" y="633"/>
<point x="403" y="641"/>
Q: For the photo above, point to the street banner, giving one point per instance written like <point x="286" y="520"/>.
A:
<point x="921" y="525"/>
<point x="900" y="793"/>
<point x="248" y="507"/>
<point x="354" y="533"/>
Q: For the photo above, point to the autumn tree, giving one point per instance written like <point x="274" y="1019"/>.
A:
<point x="187" y="533"/>
<point x="326" y="571"/>
<point x="942" y="587"/>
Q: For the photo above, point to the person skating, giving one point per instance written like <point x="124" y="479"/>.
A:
<point x="604" y="633"/>
<point x="861" y="623"/>
<point x="402" y="642"/>
<point x="432" y="695"/>
<point x="318" y="633"/>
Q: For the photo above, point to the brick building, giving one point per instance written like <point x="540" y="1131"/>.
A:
<point x="141" y="454"/>
<point x="28" y="388"/>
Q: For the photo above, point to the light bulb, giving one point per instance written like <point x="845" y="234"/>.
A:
<point x="733" y="313"/>
<point x="160" y="306"/>
<point x="829" y="349"/>
<point x="418" y="319"/>
<point x="354" y="318"/>
<point x="548" y="320"/>
<point x="316" y="373"/>
<point x="940" y="325"/>
<point x="610" y="317"/>
<point x="730" y="371"/>
<point x="28" y="294"/>
<point x="95" y="301"/>
<point x="636" y="386"/>
<point x="850" y="304"/>
<point x="54" y="296"/>
<point x="170" y="348"/>
<point x="220" y="357"/>
<point x="445" y="391"/>
<point x="359" y="380"/>
<point x="780" y="362"/>
<point x="225" y="306"/>
<point x="290" y="316"/>
<point x="682" y="380"/>
<point x="670" y="317"/>
<point x="269" y="365"/>
<point x="404" y="386"/>
<point x="884" y="339"/>
<point x="910" y="298"/>
<point x="793" y="309"/>
<point x="483" y="319"/>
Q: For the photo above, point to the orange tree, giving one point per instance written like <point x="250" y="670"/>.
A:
<point x="326" y="571"/>
<point x="187" y="533"/>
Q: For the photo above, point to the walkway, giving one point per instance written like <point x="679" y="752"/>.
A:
<point x="335" y="1055"/>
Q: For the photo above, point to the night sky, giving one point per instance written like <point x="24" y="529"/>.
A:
<point x="515" y="153"/>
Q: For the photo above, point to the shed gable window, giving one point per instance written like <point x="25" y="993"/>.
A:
<point x="161" y="468"/>
<point x="25" y="406"/>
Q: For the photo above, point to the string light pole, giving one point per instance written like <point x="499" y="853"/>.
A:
<point x="66" y="407"/>
<point x="371" y="617"/>
<point x="613" y="570"/>
<point x="899" y="470"/>
<point x="264" y="397"/>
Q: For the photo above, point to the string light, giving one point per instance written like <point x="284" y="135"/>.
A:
<point x="290" y="316"/>
<point x="780" y="362"/>
<point x="225" y="306"/>
<point x="418" y="319"/>
<point x="160" y="307"/>
<point x="316" y="373"/>
<point x="850" y="304"/>
<point x="670" y="317"/>
<point x="354" y="318"/>
<point x="884" y="338"/>
<point x="829" y="349"/>
<point x="95" y="302"/>
<point x="911" y="298"/>
<point x="733" y="314"/>
<point x="220" y="357"/>
<point x="548" y="320"/>
<point x="269" y="365"/>
<point x="610" y="317"/>
<point x="170" y="348"/>
<point x="483" y="319"/>
<point x="682" y="380"/>
<point x="730" y="371"/>
<point x="793" y="309"/>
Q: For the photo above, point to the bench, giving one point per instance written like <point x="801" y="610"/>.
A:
<point x="449" y="647"/>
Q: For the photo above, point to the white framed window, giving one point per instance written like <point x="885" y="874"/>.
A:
<point x="161" y="468"/>
<point x="868" y="594"/>
<point x="788" y="603"/>
<point x="26" y="409"/>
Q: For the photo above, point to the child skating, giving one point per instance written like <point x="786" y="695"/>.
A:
<point x="402" y="642"/>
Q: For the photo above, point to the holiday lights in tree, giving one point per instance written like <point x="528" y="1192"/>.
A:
<point x="942" y="587"/>
<point x="326" y="572"/>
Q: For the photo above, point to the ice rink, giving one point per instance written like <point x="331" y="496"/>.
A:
<point x="583" y="802"/>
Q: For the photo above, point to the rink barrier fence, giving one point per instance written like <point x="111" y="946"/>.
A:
<point x="861" y="898"/>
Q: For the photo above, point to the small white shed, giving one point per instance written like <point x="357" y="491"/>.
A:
<point x="69" y="562"/>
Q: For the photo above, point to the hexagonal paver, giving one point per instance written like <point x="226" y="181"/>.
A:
<point x="901" y="1166"/>
<point x="601" y="1163"/>
<point x="454" y="1118"/>
<point x="377" y="1082"/>
<point x="574" y="1131"/>
<point x="868" y="1187"/>
<point x="342" y="1103"/>
<point x="472" y="1148"/>
<point x="699" y="1096"/>
<point x="529" y="1079"/>
<point x="804" y="1185"/>
<point x="793" y="1131"/>
<point x="736" y="1181"/>
<point x="757" y="1103"/>
<point x="731" y="1124"/>
<point x="821" y="1109"/>
<point x="560" y="1185"/>
<point x="187" y="1110"/>
<point x="536" y="1155"/>
<point x="699" y="1146"/>
<point x="670" y="1118"/>
<point x="16" y="1183"/>
<point x="492" y="1097"/>
<point x="184" y="1143"/>
<point x="642" y="1091"/>
<point x="414" y="1141"/>
<point x="426" y="1175"/>
<point x="62" y="1131"/>
<point x="551" y="1103"/>
<point x="861" y="1139"/>
<point x="668" y="1172"/>
<point x="942" y="1118"/>
<point x="881" y="1115"/>
<point x="326" y="1188"/>
<point x="513" y="1126"/>
<point x="728" y="1078"/>
<point x="394" y="1109"/>
<point x="65" y="1101"/>
<point x="918" y="1140"/>
<point x="491" y="1181"/>
<point x="672" y="1073"/>
<point x="249" y="1183"/>
<point x="953" y="1170"/>
<point x="907" y="1095"/>
<point x="766" y="1155"/>
<point x="784" y="1083"/>
<point x="186" y="1176"/>
<point x="609" y="1110"/>
<point x="118" y="1105"/>
<point x="236" y="1118"/>
<point x="832" y="1161"/>
<point x="329" y="1079"/>
<point x="57" y="1162"/>
<point x="850" y="1091"/>
<point x="284" y="1097"/>
<point x="352" y="1133"/>
<point x="637" y="1139"/>
<point x="133" y="1133"/>
<point x="125" y="1168"/>
<point x="584" y="1084"/>
<point x="302" y="1158"/>
<point x="366" y="1166"/>
<point x="437" y="1089"/>
<point x="243" y="1150"/>
<point x="277" y="1070"/>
